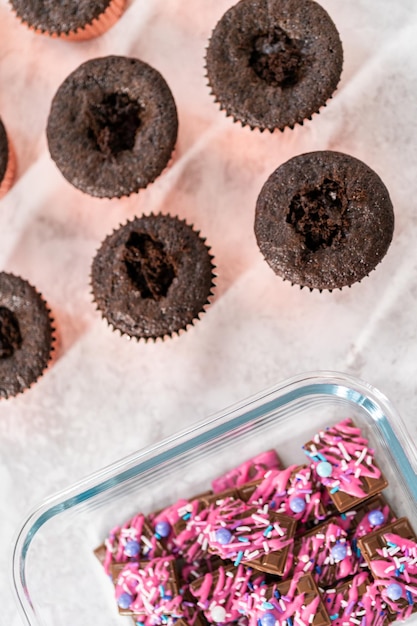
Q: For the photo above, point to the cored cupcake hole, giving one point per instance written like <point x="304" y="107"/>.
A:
<point x="276" y="58"/>
<point x="319" y="214"/>
<point x="148" y="266"/>
<point x="10" y="337"/>
<point x="113" y="123"/>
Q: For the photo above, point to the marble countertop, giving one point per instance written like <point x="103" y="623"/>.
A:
<point x="105" y="397"/>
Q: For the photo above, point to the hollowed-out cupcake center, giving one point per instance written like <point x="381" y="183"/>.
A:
<point x="319" y="215"/>
<point x="276" y="58"/>
<point x="148" y="266"/>
<point x="113" y="123"/>
<point x="10" y="337"/>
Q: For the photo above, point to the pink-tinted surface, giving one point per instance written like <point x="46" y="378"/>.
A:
<point x="105" y="397"/>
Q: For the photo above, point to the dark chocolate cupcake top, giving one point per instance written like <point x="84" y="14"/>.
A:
<point x="273" y="63"/>
<point x="59" y="16"/>
<point x="152" y="277"/>
<point x="112" y="126"/>
<point x="26" y="335"/>
<point x="324" y="220"/>
<point x="4" y="151"/>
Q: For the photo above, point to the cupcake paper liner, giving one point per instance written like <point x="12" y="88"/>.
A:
<point x="9" y="175"/>
<point x="27" y="349"/>
<point x="324" y="220"/>
<point x="95" y="28"/>
<point x="242" y="95"/>
<point x="112" y="126"/>
<point x="160" y="243"/>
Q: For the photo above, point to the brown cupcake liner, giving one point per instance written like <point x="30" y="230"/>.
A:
<point x="261" y="129"/>
<point x="297" y="230"/>
<point x="97" y="27"/>
<point x="9" y="175"/>
<point x="52" y="348"/>
<point x="187" y="325"/>
<point x="225" y="103"/>
<point x="117" y="169"/>
<point x="320" y="289"/>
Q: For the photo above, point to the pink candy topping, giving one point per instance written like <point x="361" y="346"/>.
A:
<point x="349" y="607"/>
<point x="319" y="554"/>
<point x="151" y="588"/>
<point x="281" y="489"/>
<point x="397" y="566"/>
<point x="347" y="451"/>
<point x="253" y="532"/>
<point x="252" y="469"/>
<point x="227" y="587"/>
<point x="289" y="608"/>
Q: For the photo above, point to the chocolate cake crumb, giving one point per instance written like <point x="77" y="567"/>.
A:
<point x="113" y="123"/>
<point x="276" y="58"/>
<point x="10" y="337"/>
<point x="149" y="267"/>
<point x="319" y="214"/>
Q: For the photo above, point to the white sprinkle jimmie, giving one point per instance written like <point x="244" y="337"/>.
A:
<point x="361" y="456"/>
<point x="344" y="451"/>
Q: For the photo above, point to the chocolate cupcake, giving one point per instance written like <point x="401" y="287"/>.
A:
<point x="26" y="335"/>
<point x="324" y="220"/>
<point x="273" y="63"/>
<point x="7" y="162"/>
<point x="112" y="126"/>
<point x="74" y="20"/>
<point x="152" y="277"/>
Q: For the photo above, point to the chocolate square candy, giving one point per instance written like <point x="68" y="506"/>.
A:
<point x="190" y="509"/>
<point x="131" y="542"/>
<point x="115" y="571"/>
<point x="209" y="499"/>
<point x="100" y="553"/>
<point x="377" y="540"/>
<point x="292" y="491"/>
<point x="189" y="572"/>
<point x="325" y="552"/>
<point x="281" y="601"/>
<point x="247" y="490"/>
<point x="227" y="587"/>
<point x="188" y="528"/>
<point x="274" y="563"/>
<point x="243" y="492"/>
<point x="345" y="465"/>
<point x="190" y="524"/>
<point x="368" y="516"/>
<point x="391" y="553"/>
<point x="356" y="601"/>
<point x="246" y="472"/>
<point x="150" y="588"/>
<point x="242" y="533"/>
<point x="260" y="538"/>
<point x="371" y="486"/>
<point x="277" y="562"/>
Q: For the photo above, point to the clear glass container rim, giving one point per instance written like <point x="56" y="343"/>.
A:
<point x="327" y="382"/>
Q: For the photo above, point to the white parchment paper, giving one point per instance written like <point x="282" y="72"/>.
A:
<point x="104" y="396"/>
